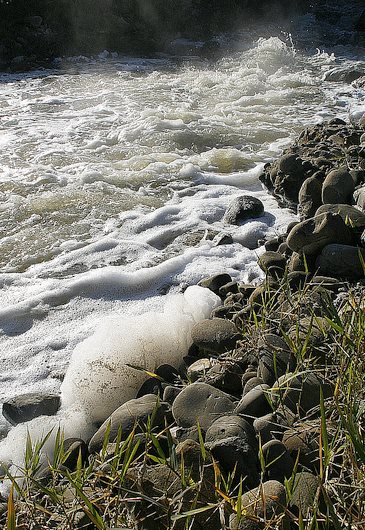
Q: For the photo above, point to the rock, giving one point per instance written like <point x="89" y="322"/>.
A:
<point x="269" y="427"/>
<point x="192" y="433"/>
<point x="299" y="392"/>
<point x="359" y="197"/>
<point x="360" y="24"/>
<point x="302" y="441"/>
<point x="213" y="283"/>
<point x="169" y="394"/>
<point x="350" y="215"/>
<point x="232" y="442"/>
<point x="255" y="403"/>
<point x="131" y="415"/>
<point x="168" y="373"/>
<point x="342" y="261"/>
<point x="215" y="335"/>
<point x="226" y="376"/>
<point x="310" y="236"/>
<point x="198" y="369"/>
<point x="275" y="358"/>
<point x="338" y="187"/>
<point x="264" y="502"/>
<point x="201" y="403"/>
<point x="150" y="386"/>
<point x="223" y="239"/>
<point x="272" y="263"/>
<point x="243" y="208"/>
<point x="74" y="447"/>
<point x="297" y="280"/>
<point x="28" y="406"/>
<point x="303" y="492"/>
<point x="252" y="383"/>
<point x="228" y="288"/>
<point x="301" y="263"/>
<point x="309" y="197"/>
<point x="279" y="464"/>
<point x="308" y="337"/>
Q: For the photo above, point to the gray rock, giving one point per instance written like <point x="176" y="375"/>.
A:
<point x="310" y="236"/>
<point x="302" y="441"/>
<point x="264" y="502"/>
<point x="169" y="394"/>
<point x="255" y="403"/>
<point x="342" y="261"/>
<point x="359" y="198"/>
<point x="243" y="208"/>
<point x="232" y="442"/>
<point x="303" y="492"/>
<point x="198" y="369"/>
<point x="301" y="263"/>
<point x="201" y="403"/>
<point x="222" y="239"/>
<point x="131" y="415"/>
<point x="279" y="464"/>
<point x="28" y="406"/>
<point x="74" y="448"/>
<point x="226" y="376"/>
<point x="228" y="288"/>
<point x="351" y="215"/>
<point x="310" y="197"/>
<point x="269" y="427"/>
<point x="299" y="392"/>
<point x="215" y="335"/>
<point x="252" y="383"/>
<point x="275" y="358"/>
<point x="338" y="187"/>
<point x="213" y="283"/>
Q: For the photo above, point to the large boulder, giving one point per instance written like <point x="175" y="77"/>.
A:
<point x="132" y="415"/>
<point x="309" y="197"/>
<point x="338" y="186"/>
<point x="200" y="403"/>
<point x="342" y="261"/>
<point x="243" y="208"/>
<point x="28" y="406"/>
<point x="310" y="236"/>
<point x="351" y="215"/>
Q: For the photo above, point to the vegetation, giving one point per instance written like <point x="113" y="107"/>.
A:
<point x="111" y="490"/>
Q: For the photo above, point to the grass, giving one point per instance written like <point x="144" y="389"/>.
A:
<point x="117" y="488"/>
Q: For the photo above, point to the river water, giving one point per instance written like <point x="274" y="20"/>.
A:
<point x="115" y="173"/>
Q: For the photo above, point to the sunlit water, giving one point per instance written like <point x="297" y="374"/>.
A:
<point x="113" y="169"/>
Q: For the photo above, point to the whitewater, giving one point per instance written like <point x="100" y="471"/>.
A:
<point x="115" y="175"/>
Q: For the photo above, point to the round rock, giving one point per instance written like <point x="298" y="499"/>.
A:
<point x="342" y="261"/>
<point x="338" y="187"/>
<point x="243" y="208"/>
<point x="215" y="335"/>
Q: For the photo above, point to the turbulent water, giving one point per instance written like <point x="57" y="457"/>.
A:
<point x="116" y="172"/>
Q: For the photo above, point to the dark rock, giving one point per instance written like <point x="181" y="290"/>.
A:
<point x="310" y="197"/>
<point x="28" y="406"/>
<point x="255" y="403"/>
<point x="310" y="236"/>
<point x="262" y="503"/>
<point x="231" y="287"/>
<point x="279" y="464"/>
<point x="352" y="216"/>
<point x="243" y="208"/>
<point x="342" y="261"/>
<point x="302" y="441"/>
<point x="201" y="403"/>
<point x="301" y="263"/>
<point x="232" y="442"/>
<point x="273" y="244"/>
<point x="168" y="373"/>
<point x="198" y="369"/>
<point x="272" y="263"/>
<point x="192" y="433"/>
<point x="360" y="24"/>
<point x="297" y="280"/>
<point x="338" y="187"/>
<point x="131" y="415"/>
<point x="213" y="283"/>
<point x="215" y="335"/>
<point x="285" y="250"/>
<point x="252" y="383"/>
<point x="269" y="427"/>
<point x="74" y="448"/>
<point x="222" y="239"/>
<point x="226" y="376"/>
<point x="150" y="386"/>
<point x="299" y="392"/>
<point x="169" y="394"/>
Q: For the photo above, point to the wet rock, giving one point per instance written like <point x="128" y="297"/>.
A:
<point x="243" y="208"/>
<point x="272" y="263"/>
<point x="264" y="502"/>
<point x="349" y="214"/>
<point x="342" y="261"/>
<point x="28" y="406"/>
<point x="232" y="442"/>
<point x="215" y="335"/>
<point x="213" y="283"/>
<point x="338" y="187"/>
<point x="131" y="415"/>
<point x="168" y="373"/>
<point x="279" y="464"/>
<point x="255" y="403"/>
<point x="309" y="197"/>
<point x="310" y="236"/>
<point x="201" y="403"/>
<point x="222" y="239"/>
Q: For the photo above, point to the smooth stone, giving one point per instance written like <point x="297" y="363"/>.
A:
<point x="168" y="373"/>
<point x="213" y="283"/>
<point x="243" y="208"/>
<point x="28" y="406"/>
<point x="342" y="261"/>
<point x="272" y="263"/>
<point x="299" y="392"/>
<point x="198" y="369"/>
<point x="275" y="358"/>
<point x="279" y="464"/>
<point x="200" y="403"/>
<point x="133" y="414"/>
<point x="252" y="383"/>
<point x="269" y="427"/>
<point x="338" y="187"/>
<point x="309" y="198"/>
<point x="255" y="403"/>
<point x="215" y="335"/>
<point x="226" y="376"/>
<point x="169" y="394"/>
<point x="74" y="448"/>
<point x="359" y="198"/>
<point x="228" y="288"/>
<point x="232" y="442"/>
<point x="150" y="386"/>
<point x="302" y="442"/>
<point x="352" y="216"/>
<point x="263" y="502"/>
<point x="310" y="236"/>
<point x="303" y="492"/>
<point x="301" y="263"/>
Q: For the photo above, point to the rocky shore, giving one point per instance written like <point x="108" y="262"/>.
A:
<point x="262" y="424"/>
